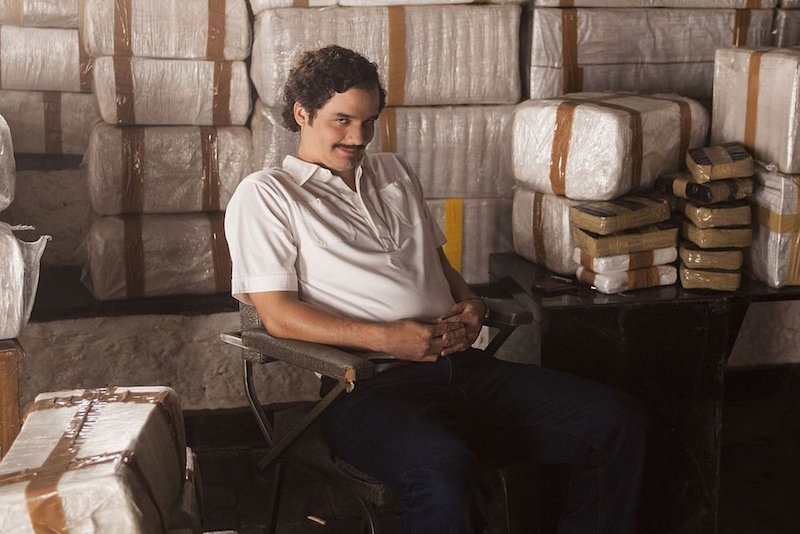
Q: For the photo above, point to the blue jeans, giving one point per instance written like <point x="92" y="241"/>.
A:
<point x="428" y="429"/>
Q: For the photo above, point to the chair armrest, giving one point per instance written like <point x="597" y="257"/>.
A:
<point x="323" y="359"/>
<point x="506" y="313"/>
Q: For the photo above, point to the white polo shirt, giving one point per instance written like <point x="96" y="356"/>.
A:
<point x="369" y="254"/>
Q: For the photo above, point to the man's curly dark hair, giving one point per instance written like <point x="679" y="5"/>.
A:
<point x="318" y="74"/>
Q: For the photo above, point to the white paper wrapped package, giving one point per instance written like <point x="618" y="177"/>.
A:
<point x="642" y="50"/>
<point x="625" y="262"/>
<point x="474" y="228"/>
<point x="786" y="28"/>
<point x="157" y="255"/>
<point x="19" y="279"/>
<point x="49" y="122"/>
<point x="165" y="169"/>
<point x="599" y="146"/>
<point x="172" y="92"/>
<point x="542" y="231"/>
<point x="610" y="283"/>
<point x="439" y="55"/>
<point x="774" y="254"/>
<point x="43" y="59"/>
<point x="178" y="29"/>
<point x="7" y="165"/>
<point x="457" y="151"/>
<point x="737" y="4"/>
<point x="757" y="103"/>
<point x="93" y="461"/>
<point x="41" y="13"/>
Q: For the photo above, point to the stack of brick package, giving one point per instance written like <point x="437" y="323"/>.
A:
<point x="757" y="104"/>
<point x="45" y="82"/>
<point x="786" y="26"/>
<point x="712" y="198"/>
<point x="172" y="88"/>
<point x="452" y="79"/>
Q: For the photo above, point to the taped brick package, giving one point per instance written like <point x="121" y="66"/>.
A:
<point x="157" y="255"/>
<point x="694" y="257"/>
<point x="541" y="230"/>
<point x="178" y="29"/>
<point x="40" y="13"/>
<point x="618" y="282"/>
<point x="582" y="49"/>
<point x="557" y="147"/>
<point x="625" y="262"/>
<point x="184" y="517"/>
<point x="170" y="169"/>
<point x="757" y="103"/>
<point x="786" y="28"/>
<point x="710" y="279"/>
<point x="49" y="122"/>
<point x="611" y="216"/>
<point x="105" y="460"/>
<point x="682" y="185"/>
<point x="457" y="151"/>
<point x="661" y="235"/>
<point x="19" y="279"/>
<point x="718" y="215"/>
<point x="729" y="160"/>
<point x="475" y="60"/>
<point x="8" y="167"/>
<point x="732" y="236"/>
<point x="474" y="228"/>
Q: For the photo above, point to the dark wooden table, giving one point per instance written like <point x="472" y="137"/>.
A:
<point x="668" y="347"/>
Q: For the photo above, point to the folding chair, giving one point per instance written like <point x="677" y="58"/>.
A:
<point x="292" y="436"/>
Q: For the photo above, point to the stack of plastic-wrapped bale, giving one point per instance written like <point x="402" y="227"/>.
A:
<point x="452" y="78"/>
<point x="45" y="84"/>
<point x="786" y="26"/>
<point x="173" y="91"/>
<point x="599" y="147"/>
<point x="757" y="104"/>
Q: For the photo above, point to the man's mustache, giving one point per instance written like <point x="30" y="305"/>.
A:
<point x="350" y="147"/>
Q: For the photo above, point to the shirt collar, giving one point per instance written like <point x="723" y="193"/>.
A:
<point x="301" y="171"/>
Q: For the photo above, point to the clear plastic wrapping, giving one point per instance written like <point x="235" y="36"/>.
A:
<point x="661" y="235"/>
<point x="710" y="279"/>
<point x="260" y="5"/>
<point x="458" y="151"/>
<point x="157" y="255"/>
<point x="599" y="146"/>
<point x="625" y="262"/>
<point x="617" y="282"/>
<point x="729" y="160"/>
<point x="172" y="92"/>
<point x="165" y="169"/>
<point x="625" y="212"/>
<point x="440" y="55"/>
<point x="8" y="166"/>
<point x="789" y="4"/>
<point x="682" y="185"/>
<point x="475" y="228"/>
<point x="19" y="279"/>
<point x="736" y="4"/>
<point x="694" y="257"/>
<point x="786" y="28"/>
<point x="541" y="230"/>
<point x="178" y="29"/>
<point x="49" y="122"/>
<point x="376" y="3"/>
<point x="112" y="459"/>
<point x="642" y="50"/>
<point x="727" y="214"/>
<point x="43" y="59"/>
<point x="41" y="13"/>
<point x="757" y="103"/>
<point x="732" y="236"/>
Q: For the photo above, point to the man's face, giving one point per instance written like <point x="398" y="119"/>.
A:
<point x="340" y="131"/>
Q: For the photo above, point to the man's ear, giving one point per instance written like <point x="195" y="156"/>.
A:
<point x="300" y="114"/>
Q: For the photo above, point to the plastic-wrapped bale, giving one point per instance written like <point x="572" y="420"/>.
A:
<point x="49" y="122"/>
<point x="661" y="235"/>
<point x="694" y="257"/>
<point x="625" y="262"/>
<point x="475" y="228"/>
<point x="375" y="3"/>
<point x="789" y="4"/>
<point x="757" y="103"/>
<point x="457" y="151"/>
<point x="732" y="236"/>
<point x="729" y="160"/>
<point x="599" y="146"/>
<point x="40" y="13"/>
<point x="735" y="4"/>
<point x="184" y="518"/>
<point x="726" y="214"/>
<point x="787" y="28"/>
<point x="475" y="60"/>
<point x="541" y="230"/>
<point x="7" y="166"/>
<point x="165" y="169"/>
<point x="681" y="185"/>
<point x="261" y="5"/>
<point x="104" y="460"/>
<point x="710" y="279"/>
<point x="157" y="255"/>
<point x="19" y="279"/>
<point x="44" y="59"/>
<point x="660" y="275"/>
<point x="611" y="216"/>
<point x="178" y="29"/>
<point x="774" y="255"/>
<point x="642" y="50"/>
<point x="147" y="91"/>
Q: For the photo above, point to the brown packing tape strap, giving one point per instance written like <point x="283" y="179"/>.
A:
<point x="753" y="4"/>
<point x="51" y="100"/>
<point x="221" y="112"/>
<point x="133" y="161"/>
<point x="123" y="86"/>
<point x="122" y="28"/>
<point x="572" y="74"/>
<point x="13" y="13"/>
<point x="741" y="24"/>
<point x="559" y="152"/>
<point x="587" y="260"/>
<point x="219" y="252"/>
<point x="566" y="3"/>
<point x="537" y="213"/>
<point x="299" y="3"/>
<point x="685" y="111"/>
<point x="215" y="40"/>
<point x="638" y="260"/>
<point x="210" y="157"/>
<point x="388" y="131"/>
<point x="587" y="276"/>
<point x="648" y="277"/>
<point x="396" y="82"/>
<point x="134" y="257"/>
<point x="751" y="109"/>
<point x="775" y="222"/>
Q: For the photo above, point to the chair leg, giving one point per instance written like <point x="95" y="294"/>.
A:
<point x="370" y="517"/>
<point x="274" y="487"/>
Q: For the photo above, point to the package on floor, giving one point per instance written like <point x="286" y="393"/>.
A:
<point x="710" y="279"/>
<point x="695" y="257"/>
<point x="723" y="162"/>
<point x="19" y="279"/>
<point x="599" y="146"/>
<point x="165" y="169"/>
<point x="757" y="103"/>
<point x="617" y="282"/>
<point x="178" y="29"/>
<point x="732" y="236"/>
<point x="157" y="255"/>
<point x="8" y="167"/>
<point x="36" y="13"/>
<point x="624" y="262"/>
<point x="103" y="460"/>
<point x="426" y="55"/>
<point x="609" y="216"/>
<point x="456" y="151"/>
<point x="147" y="91"/>
<point x="681" y="184"/>
<point x="661" y="235"/>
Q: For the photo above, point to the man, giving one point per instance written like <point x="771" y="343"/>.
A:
<point x="338" y="247"/>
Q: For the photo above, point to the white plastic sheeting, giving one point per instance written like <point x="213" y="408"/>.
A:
<point x="42" y="13"/>
<point x="19" y="279"/>
<point x="7" y="166"/>
<point x="736" y="4"/>
<point x="542" y="231"/>
<point x="786" y="28"/>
